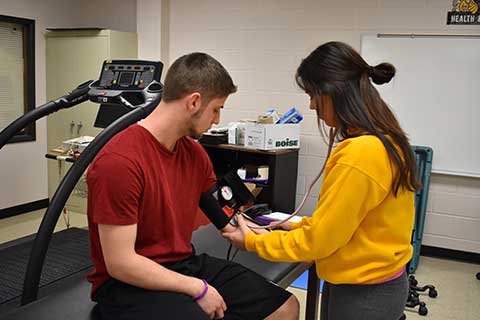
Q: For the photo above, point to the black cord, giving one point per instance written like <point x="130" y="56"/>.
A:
<point x="235" y="253"/>
<point x="228" y="252"/>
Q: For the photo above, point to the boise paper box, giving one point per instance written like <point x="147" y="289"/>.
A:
<point x="272" y="136"/>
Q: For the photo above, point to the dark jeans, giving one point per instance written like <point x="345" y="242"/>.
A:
<point x="384" y="301"/>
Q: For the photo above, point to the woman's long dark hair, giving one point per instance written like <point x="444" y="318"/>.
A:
<point x="337" y="70"/>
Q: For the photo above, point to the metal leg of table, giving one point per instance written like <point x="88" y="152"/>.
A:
<point x="311" y="312"/>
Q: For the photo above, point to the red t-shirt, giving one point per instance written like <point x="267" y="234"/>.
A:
<point x="136" y="180"/>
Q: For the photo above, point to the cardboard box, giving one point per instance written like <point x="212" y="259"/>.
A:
<point x="272" y="136"/>
<point x="77" y="144"/>
<point x="236" y="133"/>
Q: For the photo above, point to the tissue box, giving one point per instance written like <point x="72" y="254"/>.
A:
<point x="272" y="136"/>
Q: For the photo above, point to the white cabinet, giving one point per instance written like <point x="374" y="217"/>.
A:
<point x="73" y="57"/>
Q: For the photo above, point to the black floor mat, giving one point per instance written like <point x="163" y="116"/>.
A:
<point x="67" y="254"/>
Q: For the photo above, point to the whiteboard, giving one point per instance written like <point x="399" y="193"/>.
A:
<point x="435" y="95"/>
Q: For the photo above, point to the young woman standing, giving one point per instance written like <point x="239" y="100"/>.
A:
<point x="359" y="234"/>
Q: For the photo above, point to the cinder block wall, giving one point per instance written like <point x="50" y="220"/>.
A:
<point x="262" y="42"/>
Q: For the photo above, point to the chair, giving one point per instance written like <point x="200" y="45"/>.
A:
<point x="414" y="296"/>
<point x="423" y="157"/>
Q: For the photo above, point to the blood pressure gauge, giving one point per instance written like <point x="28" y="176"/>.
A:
<point x="226" y="193"/>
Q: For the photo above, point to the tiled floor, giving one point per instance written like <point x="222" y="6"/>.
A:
<point x="458" y="289"/>
<point x="26" y="224"/>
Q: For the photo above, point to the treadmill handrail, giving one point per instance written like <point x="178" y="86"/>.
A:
<point x="47" y="226"/>
<point x="77" y="96"/>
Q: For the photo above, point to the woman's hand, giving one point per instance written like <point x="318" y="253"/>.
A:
<point x="284" y="226"/>
<point x="237" y="236"/>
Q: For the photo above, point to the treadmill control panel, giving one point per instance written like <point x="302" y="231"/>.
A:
<point x="129" y="74"/>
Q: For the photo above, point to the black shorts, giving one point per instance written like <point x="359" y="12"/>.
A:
<point x="247" y="295"/>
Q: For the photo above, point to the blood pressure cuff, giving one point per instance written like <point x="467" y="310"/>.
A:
<point x="210" y="205"/>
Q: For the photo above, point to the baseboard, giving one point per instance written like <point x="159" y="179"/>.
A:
<point x="24" y="208"/>
<point x="457" y="255"/>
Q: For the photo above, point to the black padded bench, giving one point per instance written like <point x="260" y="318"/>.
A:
<point x="72" y="300"/>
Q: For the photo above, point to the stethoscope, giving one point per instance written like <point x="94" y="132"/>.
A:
<point x="332" y="134"/>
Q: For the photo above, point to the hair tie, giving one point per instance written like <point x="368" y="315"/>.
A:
<point x="371" y="71"/>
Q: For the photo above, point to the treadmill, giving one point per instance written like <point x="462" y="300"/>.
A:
<point x="127" y="91"/>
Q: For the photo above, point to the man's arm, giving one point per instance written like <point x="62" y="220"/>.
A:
<point x="124" y="264"/>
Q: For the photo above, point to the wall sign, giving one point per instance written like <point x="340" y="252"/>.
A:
<point x="464" y="12"/>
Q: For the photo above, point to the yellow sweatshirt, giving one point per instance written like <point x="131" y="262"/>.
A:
<point x="359" y="232"/>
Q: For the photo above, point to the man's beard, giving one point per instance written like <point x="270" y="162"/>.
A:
<point x="192" y="133"/>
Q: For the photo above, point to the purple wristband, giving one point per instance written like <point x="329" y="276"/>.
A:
<point x="204" y="291"/>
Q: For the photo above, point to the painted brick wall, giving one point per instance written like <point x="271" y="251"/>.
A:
<point x="262" y="42"/>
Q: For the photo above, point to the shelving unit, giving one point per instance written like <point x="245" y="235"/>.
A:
<point x="282" y="173"/>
